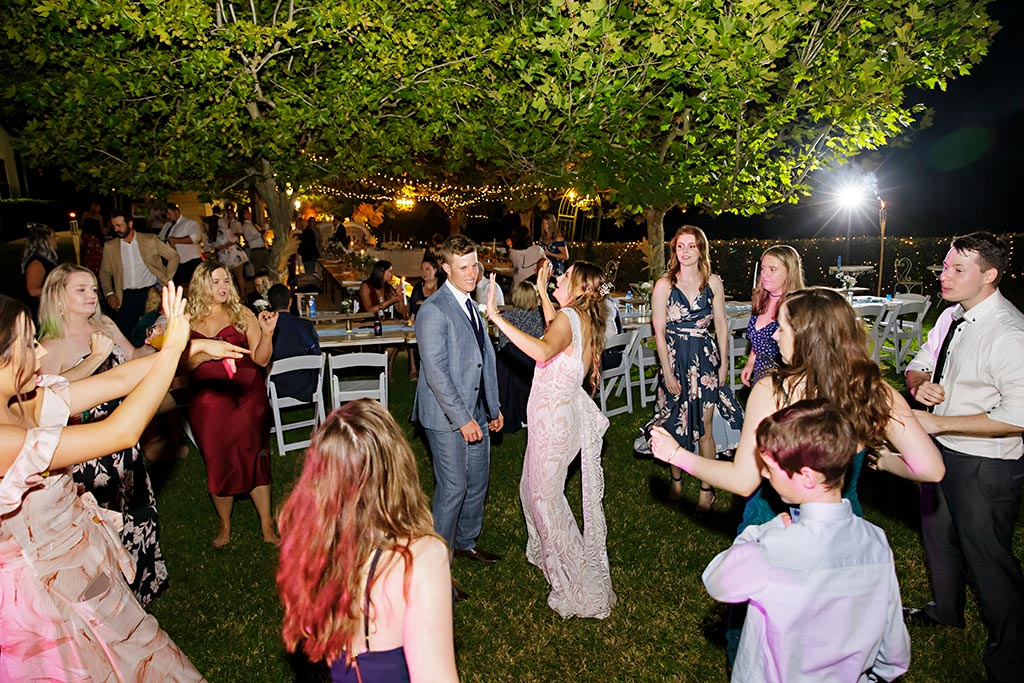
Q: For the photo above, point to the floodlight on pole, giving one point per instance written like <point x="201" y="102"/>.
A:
<point x="881" y="248"/>
<point x="851" y="196"/>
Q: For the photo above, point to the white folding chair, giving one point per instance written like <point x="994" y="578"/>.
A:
<point x="879" y="319"/>
<point x="279" y="404"/>
<point x="739" y="346"/>
<point x="365" y="375"/>
<point x="619" y="375"/>
<point x="907" y="329"/>
<point x="646" y="356"/>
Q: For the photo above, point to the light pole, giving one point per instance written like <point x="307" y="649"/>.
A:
<point x="881" y="248"/>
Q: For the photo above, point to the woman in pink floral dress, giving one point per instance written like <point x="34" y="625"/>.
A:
<point x="66" y="610"/>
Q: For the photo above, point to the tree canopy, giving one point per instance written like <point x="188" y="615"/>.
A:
<point x="725" y="106"/>
<point x="711" y="104"/>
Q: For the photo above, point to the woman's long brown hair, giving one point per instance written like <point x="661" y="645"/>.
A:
<point x="830" y="357"/>
<point x="703" y="265"/>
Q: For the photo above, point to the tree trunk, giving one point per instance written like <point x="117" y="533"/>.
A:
<point x="279" y="210"/>
<point x="526" y="219"/>
<point x="656" y="240"/>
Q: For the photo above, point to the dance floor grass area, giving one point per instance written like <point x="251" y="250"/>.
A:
<point x="223" y="611"/>
<point x="222" y="606"/>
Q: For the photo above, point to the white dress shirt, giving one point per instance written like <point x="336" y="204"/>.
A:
<point x="824" y="601"/>
<point x="462" y="298"/>
<point x="134" y="271"/>
<point x="984" y="372"/>
<point x="184" y="227"/>
<point x="253" y="236"/>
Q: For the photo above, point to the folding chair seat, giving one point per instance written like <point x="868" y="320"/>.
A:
<point x="283" y="407"/>
<point x="358" y="375"/>
<point x="618" y="376"/>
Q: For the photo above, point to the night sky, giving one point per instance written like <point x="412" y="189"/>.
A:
<point x="960" y="174"/>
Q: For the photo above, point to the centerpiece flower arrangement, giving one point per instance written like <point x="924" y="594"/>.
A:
<point x="847" y="281"/>
<point x="644" y="290"/>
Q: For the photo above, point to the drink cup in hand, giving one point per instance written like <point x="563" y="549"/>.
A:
<point x="155" y="333"/>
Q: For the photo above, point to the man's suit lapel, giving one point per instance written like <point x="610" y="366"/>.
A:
<point x="456" y="310"/>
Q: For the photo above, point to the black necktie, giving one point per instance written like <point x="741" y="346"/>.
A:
<point x="940" y="362"/>
<point x="474" y="318"/>
<point x="167" y="232"/>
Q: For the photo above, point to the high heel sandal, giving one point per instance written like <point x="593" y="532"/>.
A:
<point x="701" y="509"/>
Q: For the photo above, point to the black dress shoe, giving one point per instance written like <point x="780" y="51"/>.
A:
<point x="458" y="595"/>
<point x="918" y="616"/>
<point x="478" y="555"/>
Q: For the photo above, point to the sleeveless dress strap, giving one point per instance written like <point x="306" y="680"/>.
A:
<point x="577" y="331"/>
<point x="366" y="603"/>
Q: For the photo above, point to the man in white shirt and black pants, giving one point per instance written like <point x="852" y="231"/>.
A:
<point x="971" y="375"/>
<point x="183" y="234"/>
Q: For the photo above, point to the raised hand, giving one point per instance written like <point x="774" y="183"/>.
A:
<point x="268" y="321"/>
<point x="543" y="275"/>
<point x="492" y="306"/>
<point x="101" y="344"/>
<point x="177" y="332"/>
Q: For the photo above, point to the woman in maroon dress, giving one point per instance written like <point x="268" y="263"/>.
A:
<point x="228" y="410"/>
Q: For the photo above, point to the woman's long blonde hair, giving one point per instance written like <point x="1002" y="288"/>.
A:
<point x="359" y="490"/>
<point x="703" y="265"/>
<point x="588" y="280"/>
<point x="52" y="300"/>
<point x="200" y="296"/>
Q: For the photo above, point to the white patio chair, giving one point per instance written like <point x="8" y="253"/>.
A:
<point x="903" y="266"/>
<point x="646" y="356"/>
<point x="358" y="375"/>
<point x="284" y="406"/>
<point x="739" y="346"/>
<point x="879" y="319"/>
<point x="907" y="329"/>
<point x="619" y="377"/>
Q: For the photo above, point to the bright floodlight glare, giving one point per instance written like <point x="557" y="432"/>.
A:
<point x="851" y="196"/>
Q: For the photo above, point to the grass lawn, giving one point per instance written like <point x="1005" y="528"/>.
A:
<point x="222" y="607"/>
<point x="223" y="611"/>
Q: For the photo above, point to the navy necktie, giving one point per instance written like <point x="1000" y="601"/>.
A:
<point x="474" y="318"/>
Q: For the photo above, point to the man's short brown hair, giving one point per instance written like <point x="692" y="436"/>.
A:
<point x="810" y="433"/>
<point x="456" y="245"/>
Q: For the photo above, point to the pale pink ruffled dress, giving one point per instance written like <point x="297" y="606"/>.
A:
<point x="563" y="422"/>
<point x="66" y="611"/>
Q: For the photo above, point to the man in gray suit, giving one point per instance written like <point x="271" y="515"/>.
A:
<point x="457" y="400"/>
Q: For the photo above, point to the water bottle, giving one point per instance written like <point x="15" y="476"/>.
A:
<point x="312" y="305"/>
<point x="378" y="324"/>
<point x="629" y="301"/>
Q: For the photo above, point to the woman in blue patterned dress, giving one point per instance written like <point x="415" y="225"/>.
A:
<point x="782" y="272"/>
<point x="692" y="381"/>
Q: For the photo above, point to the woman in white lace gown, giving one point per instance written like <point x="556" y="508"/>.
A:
<point x="563" y="422"/>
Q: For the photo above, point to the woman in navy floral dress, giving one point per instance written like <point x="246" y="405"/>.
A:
<point x="692" y="381"/>
<point x="782" y="272"/>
